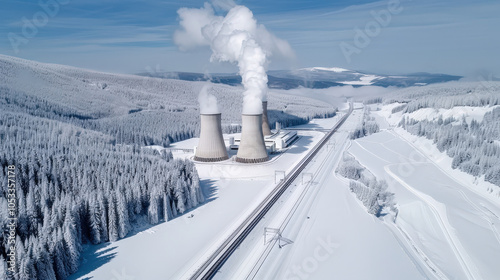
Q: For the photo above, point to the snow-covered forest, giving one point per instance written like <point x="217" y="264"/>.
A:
<point x="367" y="127"/>
<point x="370" y="191"/>
<point x="74" y="187"/>
<point x="133" y="109"/>
<point x="474" y="147"/>
<point x="471" y="139"/>
<point x="447" y="95"/>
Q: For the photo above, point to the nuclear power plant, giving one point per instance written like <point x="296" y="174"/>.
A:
<point x="211" y="147"/>
<point x="252" y="148"/>
<point x="265" y="123"/>
<point x="254" y="145"/>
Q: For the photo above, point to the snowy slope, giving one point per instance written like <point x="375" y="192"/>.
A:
<point x="98" y="95"/>
<point x="233" y="189"/>
<point x="449" y="222"/>
<point x="315" y="78"/>
<point x="333" y="236"/>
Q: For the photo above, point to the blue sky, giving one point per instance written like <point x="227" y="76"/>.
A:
<point x="129" y="36"/>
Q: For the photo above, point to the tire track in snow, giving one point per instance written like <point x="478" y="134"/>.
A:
<point x="443" y="170"/>
<point x="466" y="198"/>
<point x="370" y="152"/>
<point x="423" y="257"/>
<point x="484" y="215"/>
<point x="393" y="227"/>
<point x="464" y="259"/>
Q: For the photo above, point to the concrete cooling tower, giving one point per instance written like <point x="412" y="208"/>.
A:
<point x="265" y="123"/>
<point x="252" y="148"/>
<point x="211" y="146"/>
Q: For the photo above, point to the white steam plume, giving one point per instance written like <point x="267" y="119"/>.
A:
<point x="208" y="102"/>
<point x="236" y="38"/>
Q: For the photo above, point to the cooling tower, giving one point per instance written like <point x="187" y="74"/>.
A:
<point x="252" y="148"/>
<point x="265" y="124"/>
<point x="211" y="146"/>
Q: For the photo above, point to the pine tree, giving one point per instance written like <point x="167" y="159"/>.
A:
<point x="70" y="236"/>
<point x="104" y="216"/>
<point x="112" y="218"/>
<point x="94" y="217"/>
<point x="60" y="257"/>
<point x="180" y="196"/>
<point x="122" y="211"/>
<point x="44" y="266"/>
<point x="153" y="209"/>
<point x="3" y="266"/>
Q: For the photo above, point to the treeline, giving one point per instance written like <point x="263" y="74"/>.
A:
<point x="159" y="126"/>
<point x="368" y="126"/>
<point x="473" y="146"/>
<point x="370" y="191"/>
<point x="74" y="187"/>
<point x="374" y="100"/>
<point x="447" y="95"/>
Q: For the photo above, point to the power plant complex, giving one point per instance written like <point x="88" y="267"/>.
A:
<point x="253" y="146"/>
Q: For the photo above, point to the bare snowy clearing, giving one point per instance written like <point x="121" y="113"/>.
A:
<point x="454" y="215"/>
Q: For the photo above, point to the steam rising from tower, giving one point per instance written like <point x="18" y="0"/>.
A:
<point x="252" y="147"/>
<point x="211" y="146"/>
<point x="237" y="38"/>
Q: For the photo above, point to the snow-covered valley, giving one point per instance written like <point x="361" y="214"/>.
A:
<point x="125" y="144"/>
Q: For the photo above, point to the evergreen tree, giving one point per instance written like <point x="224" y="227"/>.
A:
<point x="71" y="240"/>
<point x="122" y="211"/>
<point x="113" y="231"/>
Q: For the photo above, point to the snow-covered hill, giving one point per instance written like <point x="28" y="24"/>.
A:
<point x="316" y="77"/>
<point x="139" y="109"/>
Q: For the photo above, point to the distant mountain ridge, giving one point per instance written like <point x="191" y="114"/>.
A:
<point x="316" y="77"/>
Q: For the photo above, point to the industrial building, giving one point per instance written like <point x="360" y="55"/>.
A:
<point x="275" y="142"/>
<point x="211" y="147"/>
<point x="251" y="148"/>
<point x="254" y="145"/>
<point x="265" y="124"/>
<point x="283" y="139"/>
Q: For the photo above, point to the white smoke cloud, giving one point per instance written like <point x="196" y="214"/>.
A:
<point x="192" y="22"/>
<point x="235" y="38"/>
<point x="208" y="102"/>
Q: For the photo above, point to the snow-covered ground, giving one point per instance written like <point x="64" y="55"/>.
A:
<point x="447" y="221"/>
<point x="457" y="112"/>
<point x="333" y="236"/>
<point x="447" y="227"/>
<point x="331" y="69"/>
<point x="234" y="189"/>
<point x="365" y="80"/>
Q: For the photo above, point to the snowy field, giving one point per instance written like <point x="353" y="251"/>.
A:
<point x="446" y="221"/>
<point x="333" y="236"/>
<point x="447" y="226"/>
<point x="234" y="189"/>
